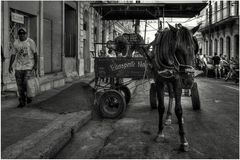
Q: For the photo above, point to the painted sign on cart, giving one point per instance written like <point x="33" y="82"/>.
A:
<point x="120" y="67"/>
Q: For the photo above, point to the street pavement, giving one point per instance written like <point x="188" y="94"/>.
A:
<point x="41" y="128"/>
<point x="212" y="132"/>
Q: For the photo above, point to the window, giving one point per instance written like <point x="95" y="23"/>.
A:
<point x="216" y="46"/>
<point x="228" y="8"/>
<point x="206" y="47"/>
<point x="221" y="9"/>
<point x="95" y="34"/>
<point x="85" y="19"/>
<point x="236" y="8"/>
<point x="210" y="48"/>
<point x="207" y="16"/>
<point x="236" y="45"/>
<point x="221" y="46"/>
<point x="70" y="32"/>
<point x="228" y="47"/>
<point x="216" y="11"/>
<point x="96" y="30"/>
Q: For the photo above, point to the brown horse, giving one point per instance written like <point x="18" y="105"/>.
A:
<point x="174" y="51"/>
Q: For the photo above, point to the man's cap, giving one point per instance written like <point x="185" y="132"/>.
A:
<point x="22" y="30"/>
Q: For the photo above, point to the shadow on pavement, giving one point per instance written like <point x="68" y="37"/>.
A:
<point x="79" y="96"/>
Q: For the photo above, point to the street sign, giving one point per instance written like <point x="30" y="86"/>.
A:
<point x="18" y="18"/>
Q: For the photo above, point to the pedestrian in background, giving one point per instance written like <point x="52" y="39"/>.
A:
<point x="224" y="65"/>
<point x="26" y="61"/>
<point x="216" y="63"/>
<point x="204" y="60"/>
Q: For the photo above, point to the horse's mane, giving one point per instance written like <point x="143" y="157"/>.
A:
<point x="165" y="48"/>
<point x="185" y="38"/>
<point x="184" y="41"/>
<point x="172" y="46"/>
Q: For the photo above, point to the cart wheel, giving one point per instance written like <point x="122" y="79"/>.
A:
<point x="125" y="92"/>
<point x="195" y="97"/>
<point x="112" y="104"/>
<point x="153" y="96"/>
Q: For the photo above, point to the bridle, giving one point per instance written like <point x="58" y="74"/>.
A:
<point x="172" y="71"/>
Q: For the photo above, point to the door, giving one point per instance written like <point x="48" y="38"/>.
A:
<point x="86" y="56"/>
<point x="47" y="45"/>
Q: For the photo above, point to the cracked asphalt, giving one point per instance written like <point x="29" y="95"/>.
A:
<point x="212" y="132"/>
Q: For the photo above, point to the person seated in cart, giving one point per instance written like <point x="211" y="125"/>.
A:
<point x="111" y="53"/>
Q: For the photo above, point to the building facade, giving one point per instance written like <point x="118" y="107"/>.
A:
<point x="220" y="28"/>
<point x="64" y="32"/>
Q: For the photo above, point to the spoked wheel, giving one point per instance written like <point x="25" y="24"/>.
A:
<point x="112" y="104"/>
<point x="153" y="96"/>
<point x="125" y="92"/>
<point x="195" y="97"/>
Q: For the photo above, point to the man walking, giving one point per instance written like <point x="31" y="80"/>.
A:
<point x="216" y="63"/>
<point x="26" y="61"/>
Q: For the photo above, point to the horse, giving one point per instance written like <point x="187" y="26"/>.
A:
<point x="168" y="120"/>
<point x="173" y="51"/>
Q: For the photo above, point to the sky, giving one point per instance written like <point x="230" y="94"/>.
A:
<point x="152" y="26"/>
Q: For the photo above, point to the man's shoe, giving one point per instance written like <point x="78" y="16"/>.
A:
<point x="20" y="105"/>
<point x="29" y="100"/>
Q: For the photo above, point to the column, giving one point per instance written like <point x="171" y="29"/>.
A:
<point x="40" y="40"/>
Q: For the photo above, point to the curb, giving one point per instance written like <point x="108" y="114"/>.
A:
<point x="46" y="142"/>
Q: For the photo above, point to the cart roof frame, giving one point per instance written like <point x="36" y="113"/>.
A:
<point x="147" y="11"/>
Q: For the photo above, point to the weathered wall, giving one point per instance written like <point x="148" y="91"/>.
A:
<point x="53" y="11"/>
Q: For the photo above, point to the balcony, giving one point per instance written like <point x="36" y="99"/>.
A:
<point x="221" y="17"/>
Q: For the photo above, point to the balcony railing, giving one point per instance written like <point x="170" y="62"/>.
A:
<point x="228" y="11"/>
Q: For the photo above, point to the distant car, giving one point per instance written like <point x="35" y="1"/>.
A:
<point x="209" y="68"/>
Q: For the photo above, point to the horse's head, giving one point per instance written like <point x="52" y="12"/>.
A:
<point x="186" y="45"/>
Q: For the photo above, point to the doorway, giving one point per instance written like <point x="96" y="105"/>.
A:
<point x="86" y="45"/>
<point x="228" y="47"/>
<point x="236" y="44"/>
<point x="86" y="56"/>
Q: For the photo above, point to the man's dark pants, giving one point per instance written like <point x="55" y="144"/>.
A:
<point x="21" y="78"/>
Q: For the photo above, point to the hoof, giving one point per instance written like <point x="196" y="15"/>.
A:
<point x="182" y="121"/>
<point x="160" y="138"/>
<point x="184" y="147"/>
<point x="168" y="122"/>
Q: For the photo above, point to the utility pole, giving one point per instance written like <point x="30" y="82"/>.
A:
<point x="145" y="30"/>
<point x="137" y="22"/>
<point x="209" y="28"/>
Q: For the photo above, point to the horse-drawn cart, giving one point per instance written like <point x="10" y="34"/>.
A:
<point x="112" y="93"/>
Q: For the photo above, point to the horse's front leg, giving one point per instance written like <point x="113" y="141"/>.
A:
<point x="178" y="111"/>
<point x="161" y="108"/>
<point x="170" y="103"/>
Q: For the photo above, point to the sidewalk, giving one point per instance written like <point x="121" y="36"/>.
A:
<point x="42" y="128"/>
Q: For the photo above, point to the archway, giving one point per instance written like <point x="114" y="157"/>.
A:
<point x="228" y="47"/>
<point x="221" y="46"/>
<point x="236" y="45"/>
<point x="207" y="48"/>
<point x="216" y="46"/>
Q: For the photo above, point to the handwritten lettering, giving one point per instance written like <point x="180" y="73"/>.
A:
<point x="115" y="67"/>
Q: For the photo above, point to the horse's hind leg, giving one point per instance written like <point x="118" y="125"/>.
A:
<point x="161" y="108"/>
<point x="170" y="103"/>
<point x="178" y="111"/>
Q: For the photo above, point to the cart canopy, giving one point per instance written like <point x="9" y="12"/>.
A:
<point x="147" y="11"/>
